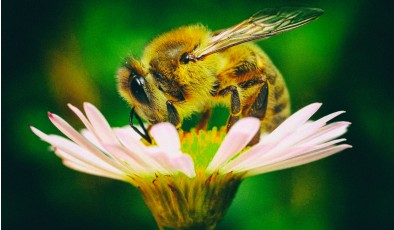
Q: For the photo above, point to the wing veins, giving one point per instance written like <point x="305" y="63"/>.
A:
<point x="263" y="24"/>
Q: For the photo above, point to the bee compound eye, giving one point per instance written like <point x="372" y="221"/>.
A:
<point x="137" y="88"/>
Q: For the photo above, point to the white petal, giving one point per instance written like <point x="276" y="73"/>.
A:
<point x="92" y="138"/>
<point x="327" y="133"/>
<point x="273" y="156"/>
<point x="75" y="151"/>
<point x="127" y="138"/>
<point x="237" y="138"/>
<point x="127" y="129"/>
<point x="82" y="117"/>
<point x="246" y="158"/>
<point x="70" y="132"/>
<point x="166" y="137"/>
<point x="293" y="122"/>
<point x="123" y="157"/>
<point x="100" y="124"/>
<point x="93" y="171"/>
<point x="269" y="157"/>
<point x="160" y="160"/>
<point x="322" y="121"/>
<point x="291" y="142"/>
<point x="184" y="164"/>
<point x="134" y="147"/>
<point x="303" y="159"/>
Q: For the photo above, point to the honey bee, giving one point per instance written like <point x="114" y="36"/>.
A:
<point x="191" y="69"/>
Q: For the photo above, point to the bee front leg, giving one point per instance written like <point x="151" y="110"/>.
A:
<point x="173" y="115"/>
<point x="235" y="107"/>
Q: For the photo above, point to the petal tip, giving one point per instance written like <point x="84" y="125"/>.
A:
<point x="70" y="106"/>
<point x="32" y="128"/>
<point x="88" y="105"/>
<point x="316" y="105"/>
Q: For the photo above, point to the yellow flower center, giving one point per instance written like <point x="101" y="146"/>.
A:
<point x="201" y="145"/>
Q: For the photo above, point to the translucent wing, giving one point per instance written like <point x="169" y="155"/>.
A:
<point x="263" y="24"/>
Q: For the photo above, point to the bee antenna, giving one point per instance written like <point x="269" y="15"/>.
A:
<point x="144" y="135"/>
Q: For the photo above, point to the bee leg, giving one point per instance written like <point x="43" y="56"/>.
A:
<point x="258" y="110"/>
<point x="202" y="124"/>
<point x="173" y="115"/>
<point x="235" y="108"/>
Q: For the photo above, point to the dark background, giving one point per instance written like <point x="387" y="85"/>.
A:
<point x="55" y="52"/>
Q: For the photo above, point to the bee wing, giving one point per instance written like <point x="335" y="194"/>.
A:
<point x="263" y="24"/>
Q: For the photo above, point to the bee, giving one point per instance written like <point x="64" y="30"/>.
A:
<point x="191" y="69"/>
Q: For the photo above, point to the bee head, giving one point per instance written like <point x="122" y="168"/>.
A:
<point x="169" y="72"/>
<point x="138" y="89"/>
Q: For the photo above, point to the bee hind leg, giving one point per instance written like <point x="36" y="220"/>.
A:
<point x="235" y="108"/>
<point x="259" y="109"/>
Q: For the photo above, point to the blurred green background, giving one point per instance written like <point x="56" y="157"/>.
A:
<point x="55" y="52"/>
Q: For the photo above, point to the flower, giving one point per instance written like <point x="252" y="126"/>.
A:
<point x="195" y="176"/>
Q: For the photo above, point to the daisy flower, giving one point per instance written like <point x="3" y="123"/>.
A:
<point x="188" y="179"/>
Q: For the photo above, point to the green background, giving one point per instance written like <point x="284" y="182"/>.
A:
<point x="55" y="52"/>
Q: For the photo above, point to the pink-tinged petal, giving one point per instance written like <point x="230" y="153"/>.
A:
<point x="70" y="132"/>
<point x="237" y="138"/>
<point x="100" y="124"/>
<point x="327" y="133"/>
<point x="300" y="137"/>
<point x="272" y="157"/>
<point x="166" y="137"/>
<point x="75" y="151"/>
<point x="82" y="117"/>
<point x="159" y="159"/>
<point x="293" y="122"/>
<point x="269" y="157"/>
<point x="124" y="158"/>
<point x="247" y="157"/>
<point x="304" y="140"/>
<point x="184" y="164"/>
<point x="65" y="156"/>
<point x="170" y="163"/>
<point x="128" y="131"/>
<point x="303" y="159"/>
<point x="134" y="147"/>
<point x="325" y="145"/>
<point x="127" y="138"/>
<point x="91" y="138"/>
<point x="93" y="171"/>
<point x="323" y="121"/>
<point x="307" y="130"/>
